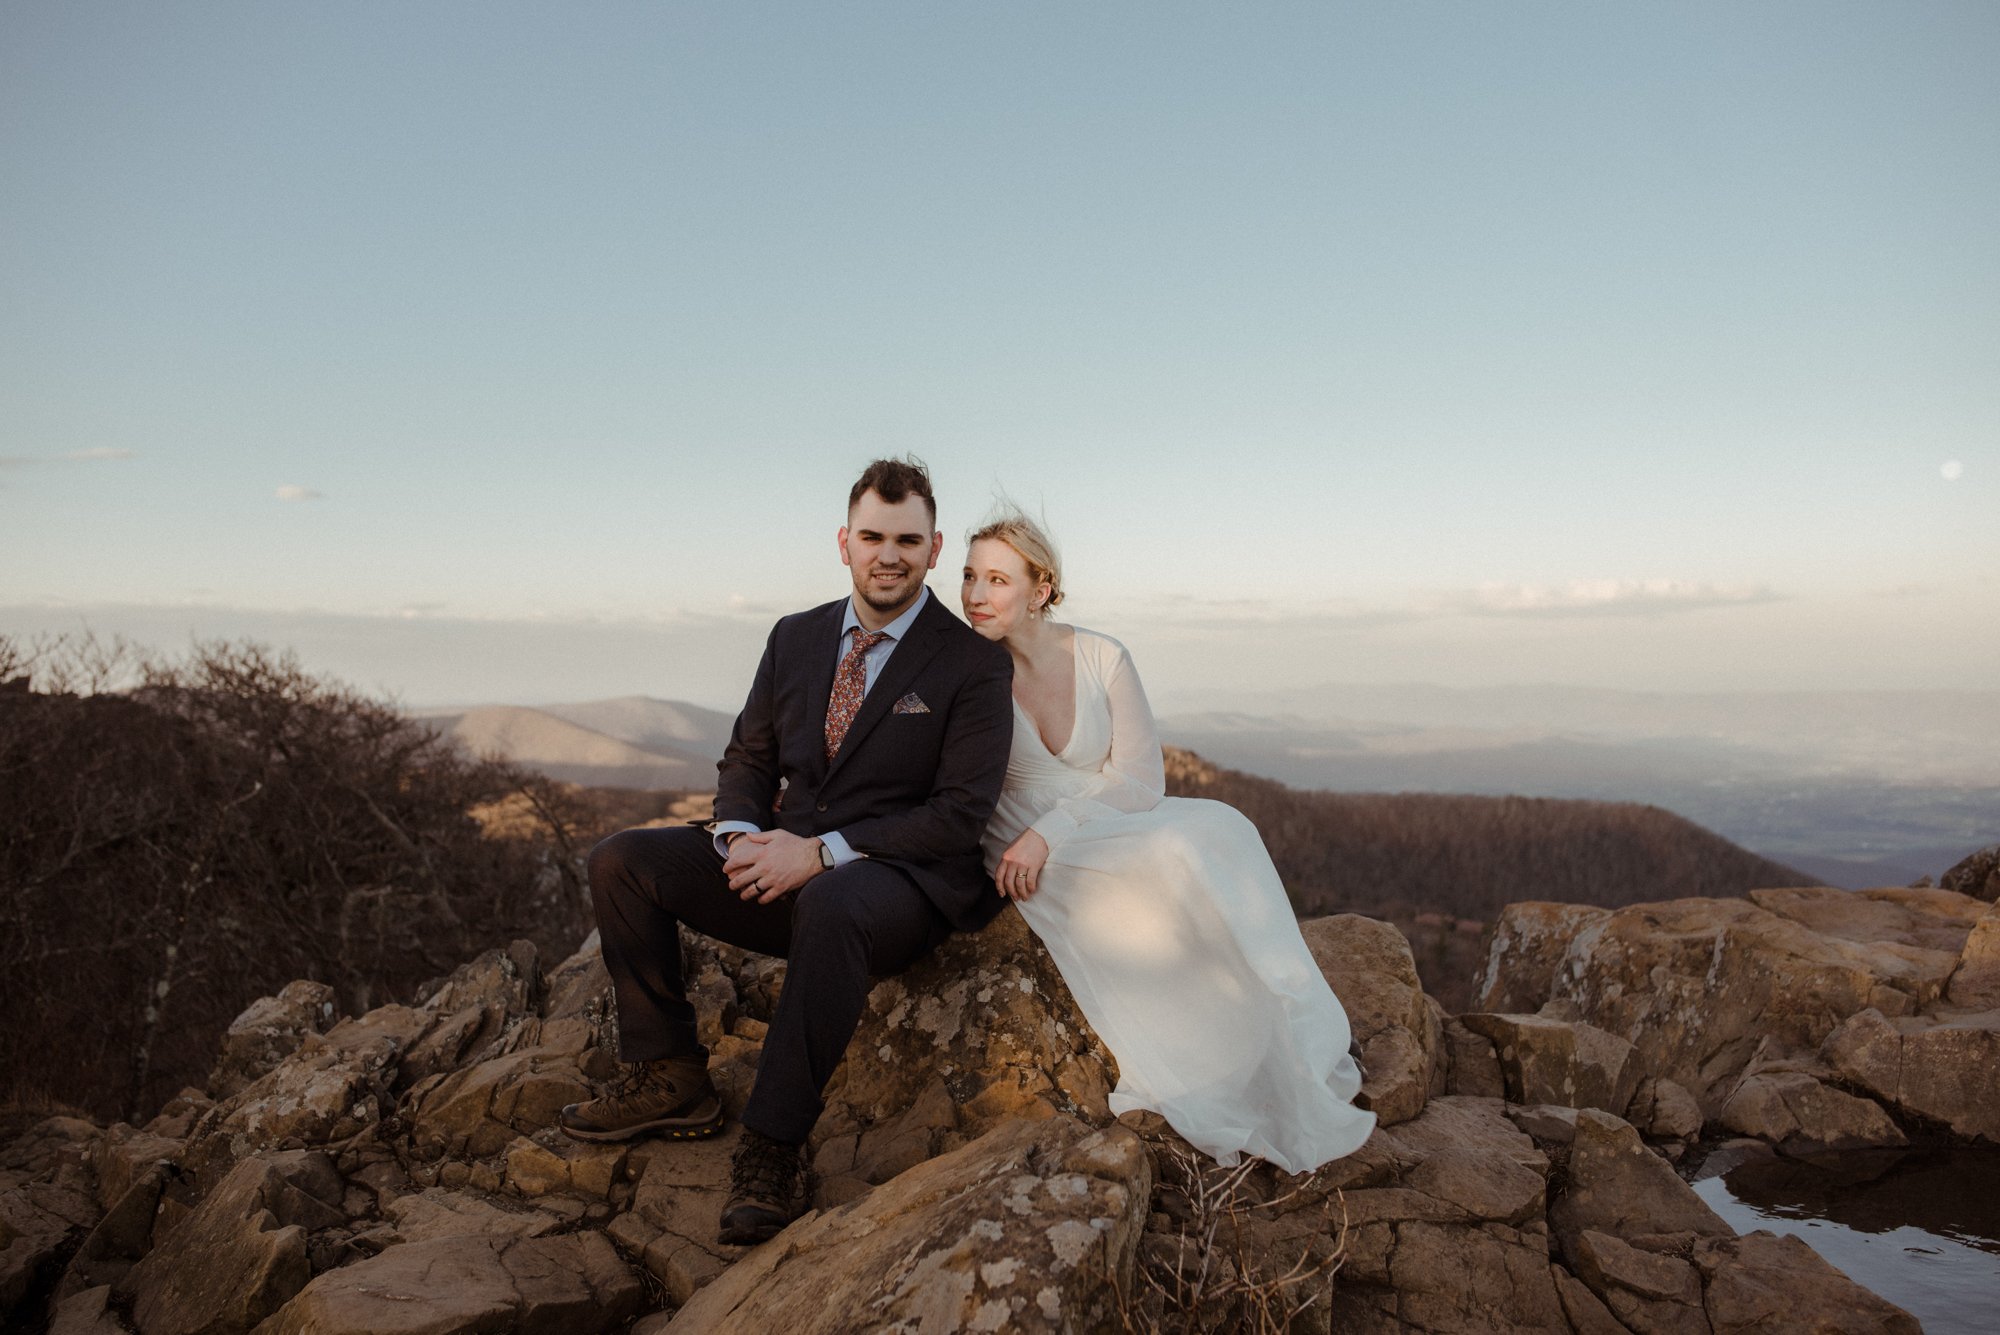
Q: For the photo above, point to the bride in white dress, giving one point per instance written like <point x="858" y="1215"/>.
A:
<point x="1164" y="914"/>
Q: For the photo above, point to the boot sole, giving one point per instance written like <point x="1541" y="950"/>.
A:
<point x="668" y="1128"/>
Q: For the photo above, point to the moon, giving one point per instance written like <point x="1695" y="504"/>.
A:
<point x="1951" y="470"/>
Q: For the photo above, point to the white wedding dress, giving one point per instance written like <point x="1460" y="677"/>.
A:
<point x="1171" y="928"/>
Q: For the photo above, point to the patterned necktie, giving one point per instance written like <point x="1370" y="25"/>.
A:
<point x="850" y="683"/>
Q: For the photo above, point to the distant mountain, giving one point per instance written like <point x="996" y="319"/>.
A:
<point x="632" y="742"/>
<point x="670" y="727"/>
<point x="1392" y="854"/>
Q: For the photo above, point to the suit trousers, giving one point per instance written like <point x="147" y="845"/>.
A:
<point x="837" y="933"/>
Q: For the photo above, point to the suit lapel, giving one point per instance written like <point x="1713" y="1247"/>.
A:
<point x="911" y="657"/>
<point x="819" y="683"/>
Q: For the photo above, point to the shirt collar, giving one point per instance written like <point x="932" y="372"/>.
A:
<point x="896" y="629"/>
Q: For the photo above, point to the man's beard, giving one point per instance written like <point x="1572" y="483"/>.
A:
<point x="883" y="600"/>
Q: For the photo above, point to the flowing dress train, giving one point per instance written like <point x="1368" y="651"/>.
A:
<point x="1168" y="922"/>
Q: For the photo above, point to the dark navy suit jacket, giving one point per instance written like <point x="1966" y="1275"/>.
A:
<point x="919" y="771"/>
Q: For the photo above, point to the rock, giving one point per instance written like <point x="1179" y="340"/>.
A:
<point x="1977" y="875"/>
<point x="39" y="1222"/>
<point x="242" y="1253"/>
<point x="1945" y="1071"/>
<point x="1474" y="1065"/>
<point x="1801" y="1115"/>
<point x="536" y="1169"/>
<point x="1763" y="1282"/>
<point x="1531" y="940"/>
<point x="1645" y="1291"/>
<point x="1913" y="916"/>
<point x="580" y="987"/>
<point x="121" y="1237"/>
<point x="1975" y="982"/>
<point x="1559" y="1061"/>
<point x="987" y="1014"/>
<point x="87" y="1313"/>
<point x="1613" y="1184"/>
<point x="1696" y="984"/>
<point x="1024" y="1229"/>
<point x="1369" y="966"/>
<point x="1662" y="1110"/>
<point x="672" y="1224"/>
<point x="124" y="1157"/>
<point x="493" y="1285"/>
<point x="438" y="1212"/>
<point x="481" y="1109"/>
<point x="268" y="1031"/>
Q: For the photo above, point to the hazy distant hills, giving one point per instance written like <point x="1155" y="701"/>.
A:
<point x="634" y="741"/>
<point x="1859" y="788"/>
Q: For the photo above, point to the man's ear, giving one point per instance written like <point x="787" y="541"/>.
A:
<point x="937" y="550"/>
<point x="840" y="539"/>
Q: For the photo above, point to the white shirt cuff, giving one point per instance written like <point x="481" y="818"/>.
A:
<point x="722" y="829"/>
<point x="836" y="843"/>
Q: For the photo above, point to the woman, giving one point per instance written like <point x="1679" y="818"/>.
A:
<point x="1164" y="914"/>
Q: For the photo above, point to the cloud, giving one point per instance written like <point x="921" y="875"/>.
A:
<point x="93" y="455"/>
<point x="1575" y="599"/>
<point x="292" y="491"/>
<point x="1606" y="597"/>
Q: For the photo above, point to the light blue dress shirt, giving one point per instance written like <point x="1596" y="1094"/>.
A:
<point x="872" y="663"/>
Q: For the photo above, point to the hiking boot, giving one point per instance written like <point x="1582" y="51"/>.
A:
<point x="766" y="1190"/>
<point x="671" y="1096"/>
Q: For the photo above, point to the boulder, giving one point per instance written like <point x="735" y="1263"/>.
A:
<point x="268" y="1031"/>
<point x="1764" y="1282"/>
<point x="1544" y="1060"/>
<point x="1611" y="1183"/>
<point x="671" y="1226"/>
<point x="1369" y="966"/>
<point x="87" y="1313"/>
<point x="1531" y="941"/>
<point x="1696" y="984"/>
<point x="1662" y="1110"/>
<point x="1799" y="1114"/>
<point x="480" y="1110"/>
<point x="986" y="1013"/>
<point x="1028" y="1228"/>
<point x="1644" y="1290"/>
<point x="40" y="1221"/>
<point x="1975" y="981"/>
<point x="1941" y="1071"/>
<point x="1918" y="917"/>
<point x="1977" y="875"/>
<point x="438" y="1212"/>
<point x="492" y="1285"/>
<point x="1473" y="1064"/>
<point x="242" y="1253"/>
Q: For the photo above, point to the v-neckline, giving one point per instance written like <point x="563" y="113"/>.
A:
<point x="1075" y="689"/>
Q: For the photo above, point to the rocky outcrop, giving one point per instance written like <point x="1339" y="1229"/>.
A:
<point x="1977" y="875"/>
<point x="1882" y="1004"/>
<point x="1023" y="1229"/>
<point x="401" y="1170"/>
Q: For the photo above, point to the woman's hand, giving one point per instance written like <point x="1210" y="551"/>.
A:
<point x="1019" y="874"/>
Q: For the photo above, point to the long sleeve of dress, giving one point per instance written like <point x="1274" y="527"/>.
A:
<point x="1134" y="778"/>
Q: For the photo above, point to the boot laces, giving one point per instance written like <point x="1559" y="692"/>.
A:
<point x="764" y="1170"/>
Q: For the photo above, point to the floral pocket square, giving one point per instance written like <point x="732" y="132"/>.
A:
<point x="911" y="704"/>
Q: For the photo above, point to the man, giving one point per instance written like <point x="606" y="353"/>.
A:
<point x="849" y="807"/>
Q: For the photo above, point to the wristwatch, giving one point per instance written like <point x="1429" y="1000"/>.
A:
<point x="825" y="856"/>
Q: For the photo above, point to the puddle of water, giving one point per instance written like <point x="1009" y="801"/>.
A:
<point x="1919" y="1227"/>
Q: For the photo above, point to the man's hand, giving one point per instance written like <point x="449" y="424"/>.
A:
<point x="1019" y="874"/>
<point x="770" y="863"/>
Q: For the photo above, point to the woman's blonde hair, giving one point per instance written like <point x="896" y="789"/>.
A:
<point x="1012" y="526"/>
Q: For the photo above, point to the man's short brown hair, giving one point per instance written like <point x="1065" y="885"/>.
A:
<point x="895" y="481"/>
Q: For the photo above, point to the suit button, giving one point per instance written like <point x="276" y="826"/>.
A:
<point x="822" y="806"/>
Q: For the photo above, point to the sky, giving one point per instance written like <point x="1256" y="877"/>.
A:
<point x="526" y="352"/>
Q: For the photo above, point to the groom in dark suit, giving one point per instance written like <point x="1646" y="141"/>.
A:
<point x="849" y="807"/>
